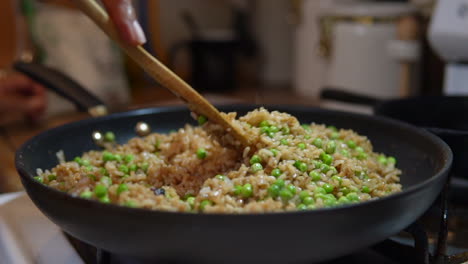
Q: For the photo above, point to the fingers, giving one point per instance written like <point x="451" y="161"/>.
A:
<point x="19" y="94"/>
<point x="22" y="104"/>
<point x="123" y="15"/>
<point x="16" y="83"/>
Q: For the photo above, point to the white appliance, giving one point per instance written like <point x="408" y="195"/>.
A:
<point x="448" y="35"/>
<point x="353" y="46"/>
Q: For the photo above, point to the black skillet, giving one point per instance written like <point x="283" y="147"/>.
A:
<point x="293" y="237"/>
<point x="445" y="116"/>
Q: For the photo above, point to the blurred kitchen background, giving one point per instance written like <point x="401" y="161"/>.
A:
<point x="232" y="51"/>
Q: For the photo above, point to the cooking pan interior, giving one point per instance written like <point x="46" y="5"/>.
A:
<point x="311" y="236"/>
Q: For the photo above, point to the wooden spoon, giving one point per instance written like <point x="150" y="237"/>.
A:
<point x="197" y="103"/>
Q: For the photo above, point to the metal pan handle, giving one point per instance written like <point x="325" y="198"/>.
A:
<point x="348" y="97"/>
<point x="63" y="86"/>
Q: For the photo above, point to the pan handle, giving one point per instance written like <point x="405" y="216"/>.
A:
<point x="348" y="97"/>
<point x="63" y="86"/>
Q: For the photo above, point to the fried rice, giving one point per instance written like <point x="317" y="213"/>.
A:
<point x="290" y="166"/>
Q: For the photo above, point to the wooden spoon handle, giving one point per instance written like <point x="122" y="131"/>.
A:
<point x="158" y="71"/>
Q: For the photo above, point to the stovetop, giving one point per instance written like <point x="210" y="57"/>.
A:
<point x="27" y="236"/>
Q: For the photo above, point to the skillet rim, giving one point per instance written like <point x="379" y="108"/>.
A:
<point x="442" y="173"/>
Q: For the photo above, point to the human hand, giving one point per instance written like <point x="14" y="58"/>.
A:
<point x="123" y="15"/>
<point x="21" y="97"/>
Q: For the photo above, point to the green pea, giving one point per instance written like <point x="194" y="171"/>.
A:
<point x="285" y="130"/>
<point x="365" y="189"/>
<point x="157" y="144"/>
<point x="318" y="142"/>
<point x="324" y="168"/>
<point x="89" y="168"/>
<point x="345" y="190"/>
<point x="52" y="177"/>
<point x="78" y="160"/>
<point x="86" y="194"/>
<point x="304" y="194"/>
<point x="337" y="179"/>
<point x="351" y="144"/>
<point x="191" y="201"/>
<point x="264" y="123"/>
<point x="301" y="146"/>
<point x="328" y="202"/>
<point x="331" y="147"/>
<point x="335" y="135"/>
<point x="361" y="156"/>
<point x="256" y="167"/>
<point x="202" y="120"/>
<point x="391" y="160"/>
<point x="345" y="153"/>
<point x="122" y="188"/>
<point x="129" y="158"/>
<point x="123" y="169"/>
<point x="275" y="152"/>
<point x="291" y="188"/>
<point x="306" y="127"/>
<point x="326" y="158"/>
<point x="237" y="189"/>
<point x="265" y="129"/>
<point x="274" y="190"/>
<point x="270" y="134"/>
<point x="276" y="173"/>
<point x="255" y="159"/>
<point x="38" y="179"/>
<point x="279" y="182"/>
<point x="131" y="204"/>
<point x="315" y="175"/>
<point x="204" y="204"/>
<point x="109" y="136"/>
<point x="328" y="187"/>
<point x="302" y="166"/>
<point x="103" y="172"/>
<point x="133" y="167"/>
<point x="107" y="156"/>
<point x="353" y="197"/>
<point x="317" y="164"/>
<point x="274" y="129"/>
<point x="85" y="162"/>
<point x="359" y="149"/>
<point x="145" y="167"/>
<point x="104" y="199"/>
<point x="220" y="177"/>
<point x="333" y="128"/>
<point x="286" y="194"/>
<point x="343" y="200"/>
<point x="284" y="141"/>
<point x="118" y="157"/>
<point x="307" y="136"/>
<point x="201" y="153"/>
<point x="106" y="181"/>
<point x="247" y="190"/>
<point x="308" y="200"/>
<point x="301" y="207"/>
<point x="320" y="190"/>
<point x="100" y="190"/>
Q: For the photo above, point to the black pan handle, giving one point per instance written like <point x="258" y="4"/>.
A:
<point x="63" y="86"/>
<point x="348" y="97"/>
